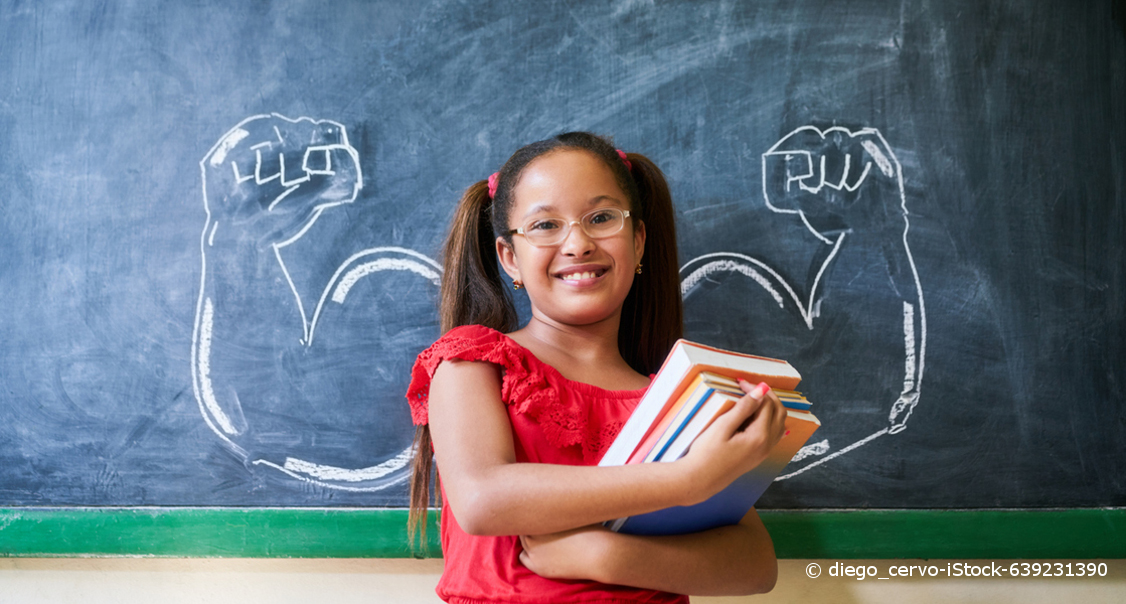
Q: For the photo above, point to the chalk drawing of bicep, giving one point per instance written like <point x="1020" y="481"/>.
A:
<point x="838" y="183"/>
<point x="362" y="266"/>
<point x="275" y="387"/>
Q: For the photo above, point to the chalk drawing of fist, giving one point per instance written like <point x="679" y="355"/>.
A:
<point x="846" y="187"/>
<point x="818" y="175"/>
<point x="294" y="315"/>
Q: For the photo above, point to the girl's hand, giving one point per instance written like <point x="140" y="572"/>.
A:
<point x="736" y="442"/>
<point x="569" y="554"/>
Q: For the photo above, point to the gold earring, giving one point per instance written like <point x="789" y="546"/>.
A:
<point x="517" y="284"/>
<point x="638" y="269"/>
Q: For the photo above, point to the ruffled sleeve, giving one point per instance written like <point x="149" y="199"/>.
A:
<point x="567" y="413"/>
<point x="465" y="343"/>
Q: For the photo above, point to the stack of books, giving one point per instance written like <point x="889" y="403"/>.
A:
<point x="694" y="386"/>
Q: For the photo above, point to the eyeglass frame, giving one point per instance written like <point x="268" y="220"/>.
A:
<point x="570" y="224"/>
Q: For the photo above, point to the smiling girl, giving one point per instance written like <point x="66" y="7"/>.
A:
<point x="517" y="419"/>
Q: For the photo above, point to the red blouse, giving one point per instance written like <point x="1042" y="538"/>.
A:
<point x="554" y="420"/>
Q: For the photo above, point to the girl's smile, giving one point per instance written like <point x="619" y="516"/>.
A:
<point x="583" y="274"/>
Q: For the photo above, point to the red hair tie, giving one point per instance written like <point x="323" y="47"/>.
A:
<point x="625" y="160"/>
<point x="493" y="178"/>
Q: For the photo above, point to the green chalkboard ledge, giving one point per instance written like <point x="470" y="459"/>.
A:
<point x="381" y="533"/>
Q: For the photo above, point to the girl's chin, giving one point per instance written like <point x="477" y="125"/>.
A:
<point x="582" y="313"/>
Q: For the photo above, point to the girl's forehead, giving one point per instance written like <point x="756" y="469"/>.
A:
<point x="566" y="180"/>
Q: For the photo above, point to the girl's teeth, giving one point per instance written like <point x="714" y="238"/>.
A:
<point x="579" y="276"/>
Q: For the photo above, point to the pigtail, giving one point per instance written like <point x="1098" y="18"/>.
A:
<point x="472" y="293"/>
<point x="472" y="290"/>
<point x="653" y="312"/>
<point x="421" y="467"/>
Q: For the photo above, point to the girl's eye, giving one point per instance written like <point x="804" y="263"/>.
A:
<point x="543" y="225"/>
<point x="600" y="217"/>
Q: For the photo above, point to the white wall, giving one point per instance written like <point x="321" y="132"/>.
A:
<point x="173" y="581"/>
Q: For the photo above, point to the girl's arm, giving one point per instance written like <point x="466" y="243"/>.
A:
<point x="729" y="560"/>
<point x="491" y="494"/>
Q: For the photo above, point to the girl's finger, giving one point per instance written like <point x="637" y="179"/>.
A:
<point x="733" y="420"/>
<point x="757" y="393"/>
<point x="778" y="423"/>
<point x="756" y="399"/>
<point x="750" y="388"/>
<point x="776" y="414"/>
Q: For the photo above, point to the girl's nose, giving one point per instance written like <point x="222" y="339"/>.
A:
<point x="576" y="242"/>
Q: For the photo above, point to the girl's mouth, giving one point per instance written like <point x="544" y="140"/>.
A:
<point x="578" y="277"/>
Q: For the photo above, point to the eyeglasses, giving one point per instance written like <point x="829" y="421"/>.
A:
<point x="597" y="224"/>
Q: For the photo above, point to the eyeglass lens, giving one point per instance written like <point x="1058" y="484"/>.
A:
<point x="600" y="223"/>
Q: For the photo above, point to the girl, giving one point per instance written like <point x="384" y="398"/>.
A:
<point x="518" y="422"/>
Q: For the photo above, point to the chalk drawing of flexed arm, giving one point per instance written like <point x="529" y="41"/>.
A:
<point x="271" y="269"/>
<point x="843" y="184"/>
<point x="265" y="183"/>
<point x="845" y="187"/>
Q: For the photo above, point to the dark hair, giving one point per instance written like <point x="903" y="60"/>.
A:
<point x="473" y="292"/>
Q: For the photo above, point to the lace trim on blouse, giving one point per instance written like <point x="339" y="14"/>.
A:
<point x="530" y="386"/>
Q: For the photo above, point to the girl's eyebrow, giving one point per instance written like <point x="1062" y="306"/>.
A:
<point x="540" y="207"/>
<point x="601" y="198"/>
<point x="547" y="207"/>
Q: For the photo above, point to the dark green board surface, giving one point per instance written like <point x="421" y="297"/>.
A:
<point x="375" y="533"/>
<point x="1005" y="116"/>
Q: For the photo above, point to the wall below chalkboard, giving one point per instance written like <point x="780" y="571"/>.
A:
<point x="136" y="581"/>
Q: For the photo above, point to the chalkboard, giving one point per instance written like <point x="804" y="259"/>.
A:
<point x="220" y="223"/>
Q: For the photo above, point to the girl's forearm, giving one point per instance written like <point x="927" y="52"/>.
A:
<point x="730" y="560"/>
<point x="536" y="499"/>
<point x="490" y="493"/>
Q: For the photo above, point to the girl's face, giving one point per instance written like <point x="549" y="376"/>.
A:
<point x="581" y="280"/>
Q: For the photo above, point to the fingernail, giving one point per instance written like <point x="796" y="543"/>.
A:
<point x="760" y="390"/>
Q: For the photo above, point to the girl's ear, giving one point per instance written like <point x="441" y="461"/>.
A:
<point x="507" y="257"/>
<point x="639" y="240"/>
